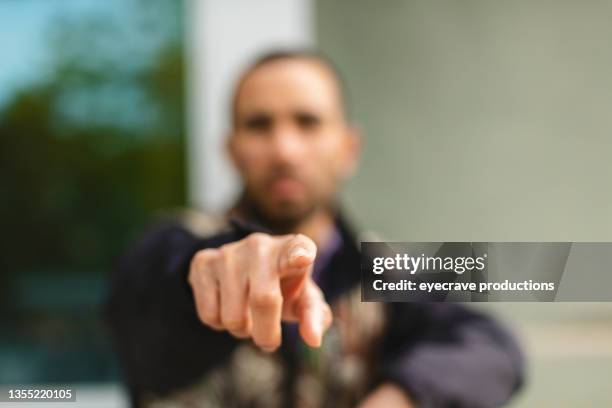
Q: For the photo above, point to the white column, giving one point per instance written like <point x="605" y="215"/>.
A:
<point x="223" y="36"/>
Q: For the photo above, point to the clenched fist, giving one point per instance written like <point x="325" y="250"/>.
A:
<point x="249" y="286"/>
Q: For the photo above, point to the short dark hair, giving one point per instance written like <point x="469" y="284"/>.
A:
<point x="289" y="54"/>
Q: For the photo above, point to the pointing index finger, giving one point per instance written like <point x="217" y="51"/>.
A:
<point x="314" y="313"/>
<point x="297" y="255"/>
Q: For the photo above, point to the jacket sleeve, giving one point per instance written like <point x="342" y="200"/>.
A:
<point x="445" y="355"/>
<point x="160" y="341"/>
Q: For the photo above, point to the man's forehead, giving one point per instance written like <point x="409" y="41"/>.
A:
<point x="302" y="79"/>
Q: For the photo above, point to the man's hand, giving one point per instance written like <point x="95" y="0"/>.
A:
<point x="387" y="395"/>
<point x="247" y="287"/>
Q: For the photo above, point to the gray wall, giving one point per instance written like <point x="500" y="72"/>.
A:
<point x="483" y="120"/>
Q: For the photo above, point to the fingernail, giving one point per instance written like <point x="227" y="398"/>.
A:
<point x="297" y="252"/>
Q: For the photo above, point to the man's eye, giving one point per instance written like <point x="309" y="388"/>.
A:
<point x="258" y="123"/>
<point x="307" y="121"/>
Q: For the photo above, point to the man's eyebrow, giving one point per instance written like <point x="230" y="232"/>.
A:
<point x="307" y="115"/>
<point x="256" y="118"/>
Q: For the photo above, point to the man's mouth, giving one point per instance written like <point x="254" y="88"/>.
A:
<point x="285" y="187"/>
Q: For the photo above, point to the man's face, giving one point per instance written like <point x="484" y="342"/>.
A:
<point x="291" y="143"/>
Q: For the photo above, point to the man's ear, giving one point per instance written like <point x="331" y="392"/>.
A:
<point x="353" y="148"/>
<point x="230" y="148"/>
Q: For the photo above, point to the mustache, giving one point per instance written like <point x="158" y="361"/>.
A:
<point x="282" y="173"/>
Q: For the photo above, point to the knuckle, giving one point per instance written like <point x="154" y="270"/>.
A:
<point x="201" y="265"/>
<point x="256" y="239"/>
<point x="205" y="256"/>
<point x="257" y="245"/>
<point x="225" y="254"/>
<point x="230" y="268"/>
<point x="265" y="300"/>
<point x="234" y="324"/>
<point x="229" y="248"/>
<point x="207" y="316"/>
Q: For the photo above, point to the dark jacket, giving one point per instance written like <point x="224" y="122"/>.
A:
<point x="442" y="354"/>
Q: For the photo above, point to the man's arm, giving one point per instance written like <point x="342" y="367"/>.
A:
<point x="445" y="355"/>
<point x="161" y="343"/>
<point x="179" y="304"/>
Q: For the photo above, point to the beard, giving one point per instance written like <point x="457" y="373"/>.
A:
<point x="281" y="216"/>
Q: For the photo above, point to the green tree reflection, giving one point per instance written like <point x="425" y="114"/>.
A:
<point x="89" y="153"/>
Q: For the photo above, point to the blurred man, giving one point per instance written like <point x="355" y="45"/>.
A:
<point x="265" y="310"/>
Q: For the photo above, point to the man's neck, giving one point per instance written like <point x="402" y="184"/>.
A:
<point x="319" y="227"/>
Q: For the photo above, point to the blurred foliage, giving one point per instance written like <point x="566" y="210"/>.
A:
<point x="95" y="146"/>
<point x="89" y="151"/>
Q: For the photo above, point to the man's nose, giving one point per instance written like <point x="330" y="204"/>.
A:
<point x="287" y="145"/>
